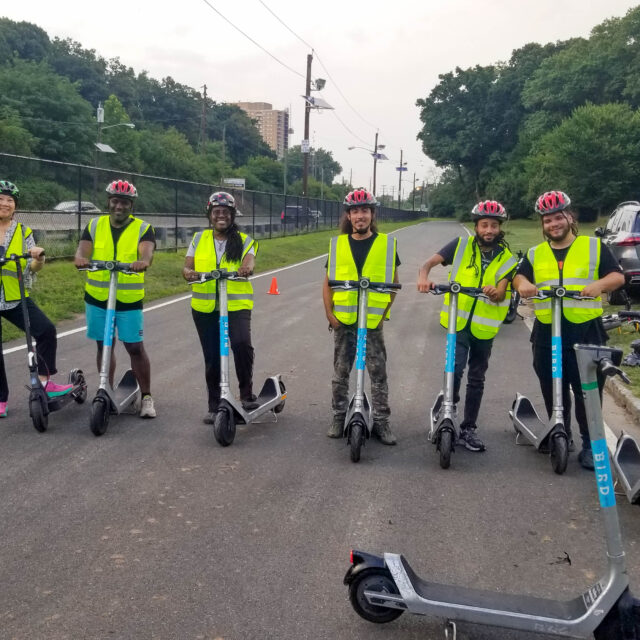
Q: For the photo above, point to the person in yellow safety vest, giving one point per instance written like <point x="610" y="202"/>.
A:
<point x="120" y="236"/>
<point x="580" y="263"/>
<point x="16" y="238"/>
<point x="360" y="251"/>
<point x="482" y="260"/>
<point x="224" y="246"/>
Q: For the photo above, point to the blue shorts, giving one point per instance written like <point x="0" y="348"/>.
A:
<point x="129" y="324"/>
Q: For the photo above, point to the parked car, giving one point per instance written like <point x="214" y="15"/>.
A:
<point x="71" y="206"/>
<point x="316" y="214"/>
<point x="297" y="215"/>
<point x="622" y="235"/>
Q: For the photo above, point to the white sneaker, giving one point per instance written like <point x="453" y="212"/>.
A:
<point x="147" y="410"/>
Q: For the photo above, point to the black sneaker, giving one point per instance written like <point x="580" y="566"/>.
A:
<point x="250" y="404"/>
<point x="585" y="458"/>
<point x="470" y="440"/>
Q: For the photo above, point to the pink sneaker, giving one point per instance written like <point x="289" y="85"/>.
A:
<point x="53" y="390"/>
<point x="3" y="409"/>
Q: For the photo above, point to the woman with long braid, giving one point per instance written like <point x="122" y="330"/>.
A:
<point x="223" y="246"/>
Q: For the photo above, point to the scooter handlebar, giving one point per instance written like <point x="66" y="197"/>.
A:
<point x="365" y="283"/>
<point x="17" y="256"/>
<point x="628" y="314"/>
<point x="559" y="292"/>
<point x="455" y="287"/>
<point x="108" y="265"/>
<point x="218" y="274"/>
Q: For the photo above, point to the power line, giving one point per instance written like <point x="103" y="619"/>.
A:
<point x="286" y="26"/>
<point x="286" y="66"/>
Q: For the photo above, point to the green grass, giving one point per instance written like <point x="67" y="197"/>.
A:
<point x="59" y="287"/>
<point x="622" y="338"/>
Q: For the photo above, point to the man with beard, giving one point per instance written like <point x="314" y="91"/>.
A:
<point x="360" y="251"/>
<point x="122" y="237"/>
<point x="482" y="260"/>
<point x="579" y="263"/>
<point x="223" y="246"/>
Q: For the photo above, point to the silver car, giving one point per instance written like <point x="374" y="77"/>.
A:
<point x="622" y="235"/>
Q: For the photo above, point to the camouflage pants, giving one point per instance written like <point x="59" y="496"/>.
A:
<point x="376" y="362"/>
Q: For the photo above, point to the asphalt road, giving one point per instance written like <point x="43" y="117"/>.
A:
<point x="154" y="531"/>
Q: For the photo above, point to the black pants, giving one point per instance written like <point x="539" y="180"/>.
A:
<point x="208" y="327"/>
<point x="570" y="378"/>
<point x="476" y="353"/>
<point x="44" y="332"/>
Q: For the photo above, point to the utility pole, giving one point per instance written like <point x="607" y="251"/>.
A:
<point x="307" y="111"/>
<point x="400" y="167"/>
<point x="413" y="203"/>
<point x="350" y="177"/>
<point x="203" y="121"/>
<point x="375" y="162"/>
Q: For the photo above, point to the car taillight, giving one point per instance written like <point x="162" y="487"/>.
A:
<point x="629" y="241"/>
<point x="351" y="556"/>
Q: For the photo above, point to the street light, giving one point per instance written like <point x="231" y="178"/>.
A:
<point x="376" y="156"/>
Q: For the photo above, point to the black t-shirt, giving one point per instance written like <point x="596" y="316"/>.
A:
<point x="148" y="236"/>
<point x="590" y="332"/>
<point x="360" y="250"/>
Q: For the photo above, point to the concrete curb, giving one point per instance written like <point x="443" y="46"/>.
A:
<point x="623" y="397"/>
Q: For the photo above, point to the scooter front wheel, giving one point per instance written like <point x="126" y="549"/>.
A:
<point x="445" y="446"/>
<point x="38" y="417"/>
<point x="356" y="437"/>
<point x="224" y="427"/>
<point x="99" y="416"/>
<point x="373" y="580"/>
<point x="559" y="453"/>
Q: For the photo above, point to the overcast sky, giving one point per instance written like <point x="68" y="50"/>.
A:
<point x="382" y="55"/>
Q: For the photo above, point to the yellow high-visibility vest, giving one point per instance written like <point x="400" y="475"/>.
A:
<point x="380" y="266"/>
<point x="487" y="316"/>
<point x="130" y="287"/>
<point x="203" y="296"/>
<point x="579" y="269"/>
<point x="9" y="273"/>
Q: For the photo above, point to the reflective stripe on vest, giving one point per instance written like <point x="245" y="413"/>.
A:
<point x="9" y="272"/>
<point x="380" y="266"/>
<point x="203" y="296"/>
<point x="580" y="268"/>
<point x="130" y="287"/>
<point x="487" y="315"/>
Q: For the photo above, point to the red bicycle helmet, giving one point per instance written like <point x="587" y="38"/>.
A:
<point x="489" y="209"/>
<point x="221" y="199"/>
<point x="122" y="189"/>
<point x="359" y="198"/>
<point x="552" y="202"/>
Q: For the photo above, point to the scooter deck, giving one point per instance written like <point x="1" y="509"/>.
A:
<point x="526" y="421"/>
<point x="626" y="461"/>
<point x="270" y="390"/>
<point x="575" y="617"/>
<point x="56" y="403"/>
<point x="126" y="389"/>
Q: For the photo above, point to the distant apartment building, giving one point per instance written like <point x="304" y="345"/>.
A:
<point x="273" y="124"/>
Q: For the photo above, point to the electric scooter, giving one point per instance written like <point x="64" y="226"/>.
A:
<point x="40" y="404"/>
<point x="550" y="434"/>
<point x="382" y="588"/>
<point x="514" y="302"/>
<point x="357" y="421"/>
<point x="445" y="426"/>
<point x="230" y="412"/>
<point x="110" y="400"/>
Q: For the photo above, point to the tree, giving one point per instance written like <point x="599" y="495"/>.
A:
<point x="594" y="156"/>
<point x="22" y="40"/>
<point x="14" y="137"/>
<point x="321" y="165"/>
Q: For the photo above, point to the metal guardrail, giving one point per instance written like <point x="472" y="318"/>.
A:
<point x="174" y="207"/>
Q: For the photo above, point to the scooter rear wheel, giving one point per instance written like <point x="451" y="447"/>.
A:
<point x="76" y="377"/>
<point x="373" y="580"/>
<point x="99" y="416"/>
<point x="279" y="407"/>
<point x="224" y="427"/>
<point x="356" y="437"/>
<point x="559" y="453"/>
<point x="38" y="417"/>
<point x="445" y="446"/>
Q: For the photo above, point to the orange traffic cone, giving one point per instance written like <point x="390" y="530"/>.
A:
<point x="273" y="289"/>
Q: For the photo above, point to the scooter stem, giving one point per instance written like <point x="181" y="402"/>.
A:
<point x="450" y="351"/>
<point x="224" y="337"/>
<point x="361" y="349"/>
<point x="556" y="359"/>
<point x="109" y="330"/>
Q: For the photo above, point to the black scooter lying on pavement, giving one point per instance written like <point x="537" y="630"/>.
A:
<point x="40" y="404"/>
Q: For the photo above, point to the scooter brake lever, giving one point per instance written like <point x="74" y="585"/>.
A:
<point x="608" y="369"/>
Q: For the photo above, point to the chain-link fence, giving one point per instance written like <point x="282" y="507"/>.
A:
<point x="57" y="200"/>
